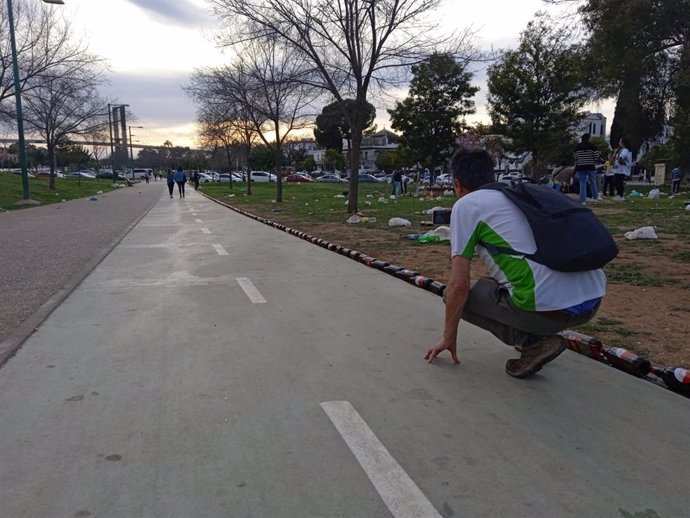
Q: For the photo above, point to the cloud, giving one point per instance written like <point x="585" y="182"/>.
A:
<point x="178" y="12"/>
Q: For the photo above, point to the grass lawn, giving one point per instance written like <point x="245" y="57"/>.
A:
<point x="307" y="205"/>
<point x="304" y="202"/>
<point x="66" y="189"/>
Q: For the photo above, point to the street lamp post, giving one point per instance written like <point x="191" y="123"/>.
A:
<point x="21" y="144"/>
<point x="131" y="149"/>
<point x="112" y="152"/>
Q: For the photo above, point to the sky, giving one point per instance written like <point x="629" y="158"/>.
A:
<point x="152" y="47"/>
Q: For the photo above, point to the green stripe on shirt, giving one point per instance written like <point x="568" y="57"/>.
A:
<point x="516" y="269"/>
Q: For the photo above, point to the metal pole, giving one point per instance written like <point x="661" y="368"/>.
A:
<point x="21" y="145"/>
<point x="131" y="152"/>
<point x="112" y="153"/>
<point x="123" y="124"/>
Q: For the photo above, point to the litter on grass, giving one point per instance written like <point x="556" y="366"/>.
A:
<point x="641" y="233"/>
<point x="654" y="194"/>
<point x="434" y="236"/>
<point x="399" y="222"/>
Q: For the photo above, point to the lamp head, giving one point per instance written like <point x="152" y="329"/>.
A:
<point x="57" y="2"/>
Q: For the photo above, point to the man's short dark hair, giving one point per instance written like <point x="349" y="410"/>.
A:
<point x="585" y="137"/>
<point x="472" y="167"/>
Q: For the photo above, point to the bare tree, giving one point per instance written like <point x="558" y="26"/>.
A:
<point x="267" y="84"/>
<point x="220" y="115"/>
<point x="61" y="106"/>
<point x="218" y="128"/>
<point x="98" y="136"/>
<point x="353" y="45"/>
<point x="45" y="43"/>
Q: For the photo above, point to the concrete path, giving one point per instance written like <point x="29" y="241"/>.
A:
<point x="212" y="366"/>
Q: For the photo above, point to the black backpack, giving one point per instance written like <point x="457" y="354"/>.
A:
<point x="569" y="237"/>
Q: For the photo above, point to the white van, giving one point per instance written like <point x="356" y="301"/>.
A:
<point x="138" y="173"/>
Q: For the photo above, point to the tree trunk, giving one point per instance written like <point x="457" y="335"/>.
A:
<point x="352" y="204"/>
<point x="249" y="170"/>
<point x="51" y="155"/>
<point x="629" y="119"/>
<point x="227" y="151"/>
<point x="681" y="120"/>
<point x="278" y="159"/>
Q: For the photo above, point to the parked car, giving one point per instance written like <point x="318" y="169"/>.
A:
<point x="81" y="174"/>
<point x="105" y="175"/>
<point x="444" y="179"/>
<point x="299" y="178"/>
<point x="236" y="177"/>
<point x="514" y="178"/>
<point x="330" y="178"/>
<point x="205" y="178"/>
<point x="368" y="178"/>
<point x="263" y="176"/>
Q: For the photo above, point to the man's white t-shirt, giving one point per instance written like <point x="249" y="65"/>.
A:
<point x="624" y="156"/>
<point x="488" y="216"/>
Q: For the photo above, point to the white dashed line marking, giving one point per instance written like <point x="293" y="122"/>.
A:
<point x="398" y="491"/>
<point x="198" y="221"/>
<point x="205" y="230"/>
<point x="220" y="249"/>
<point x="251" y="291"/>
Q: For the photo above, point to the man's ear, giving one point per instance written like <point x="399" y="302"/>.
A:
<point x="460" y="190"/>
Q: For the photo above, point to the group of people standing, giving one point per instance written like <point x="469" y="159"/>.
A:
<point x="616" y="170"/>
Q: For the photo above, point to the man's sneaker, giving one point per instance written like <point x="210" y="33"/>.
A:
<point x="534" y="357"/>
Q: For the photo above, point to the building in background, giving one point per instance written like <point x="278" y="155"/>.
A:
<point x="594" y="124"/>
<point x="372" y="145"/>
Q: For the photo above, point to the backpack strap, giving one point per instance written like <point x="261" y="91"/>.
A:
<point x="493" y="249"/>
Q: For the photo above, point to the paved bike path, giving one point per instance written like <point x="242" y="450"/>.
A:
<point x="214" y="366"/>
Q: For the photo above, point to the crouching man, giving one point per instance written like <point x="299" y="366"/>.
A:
<point x="524" y="304"/>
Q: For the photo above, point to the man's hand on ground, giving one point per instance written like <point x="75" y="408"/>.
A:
<point x="439" y="348"/>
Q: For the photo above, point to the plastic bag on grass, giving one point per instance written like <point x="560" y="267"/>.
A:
<point x="435" y="236"/>
<point x="641" y="233"/>
<point x="399" y="222"/>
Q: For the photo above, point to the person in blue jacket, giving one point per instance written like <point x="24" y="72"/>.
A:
<point x="180" y="180"/>
<point x="171" y="182"/>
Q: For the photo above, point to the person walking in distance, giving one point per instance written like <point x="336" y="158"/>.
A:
<point x="586" y="157"/>
<point x="171" y="182"/>
<point x="180" y="180"/>
<point x="622" y="164"/>
<point x="676" y="176"/>
<point x="195" y="180"/>
<point x="524" y="303"/>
